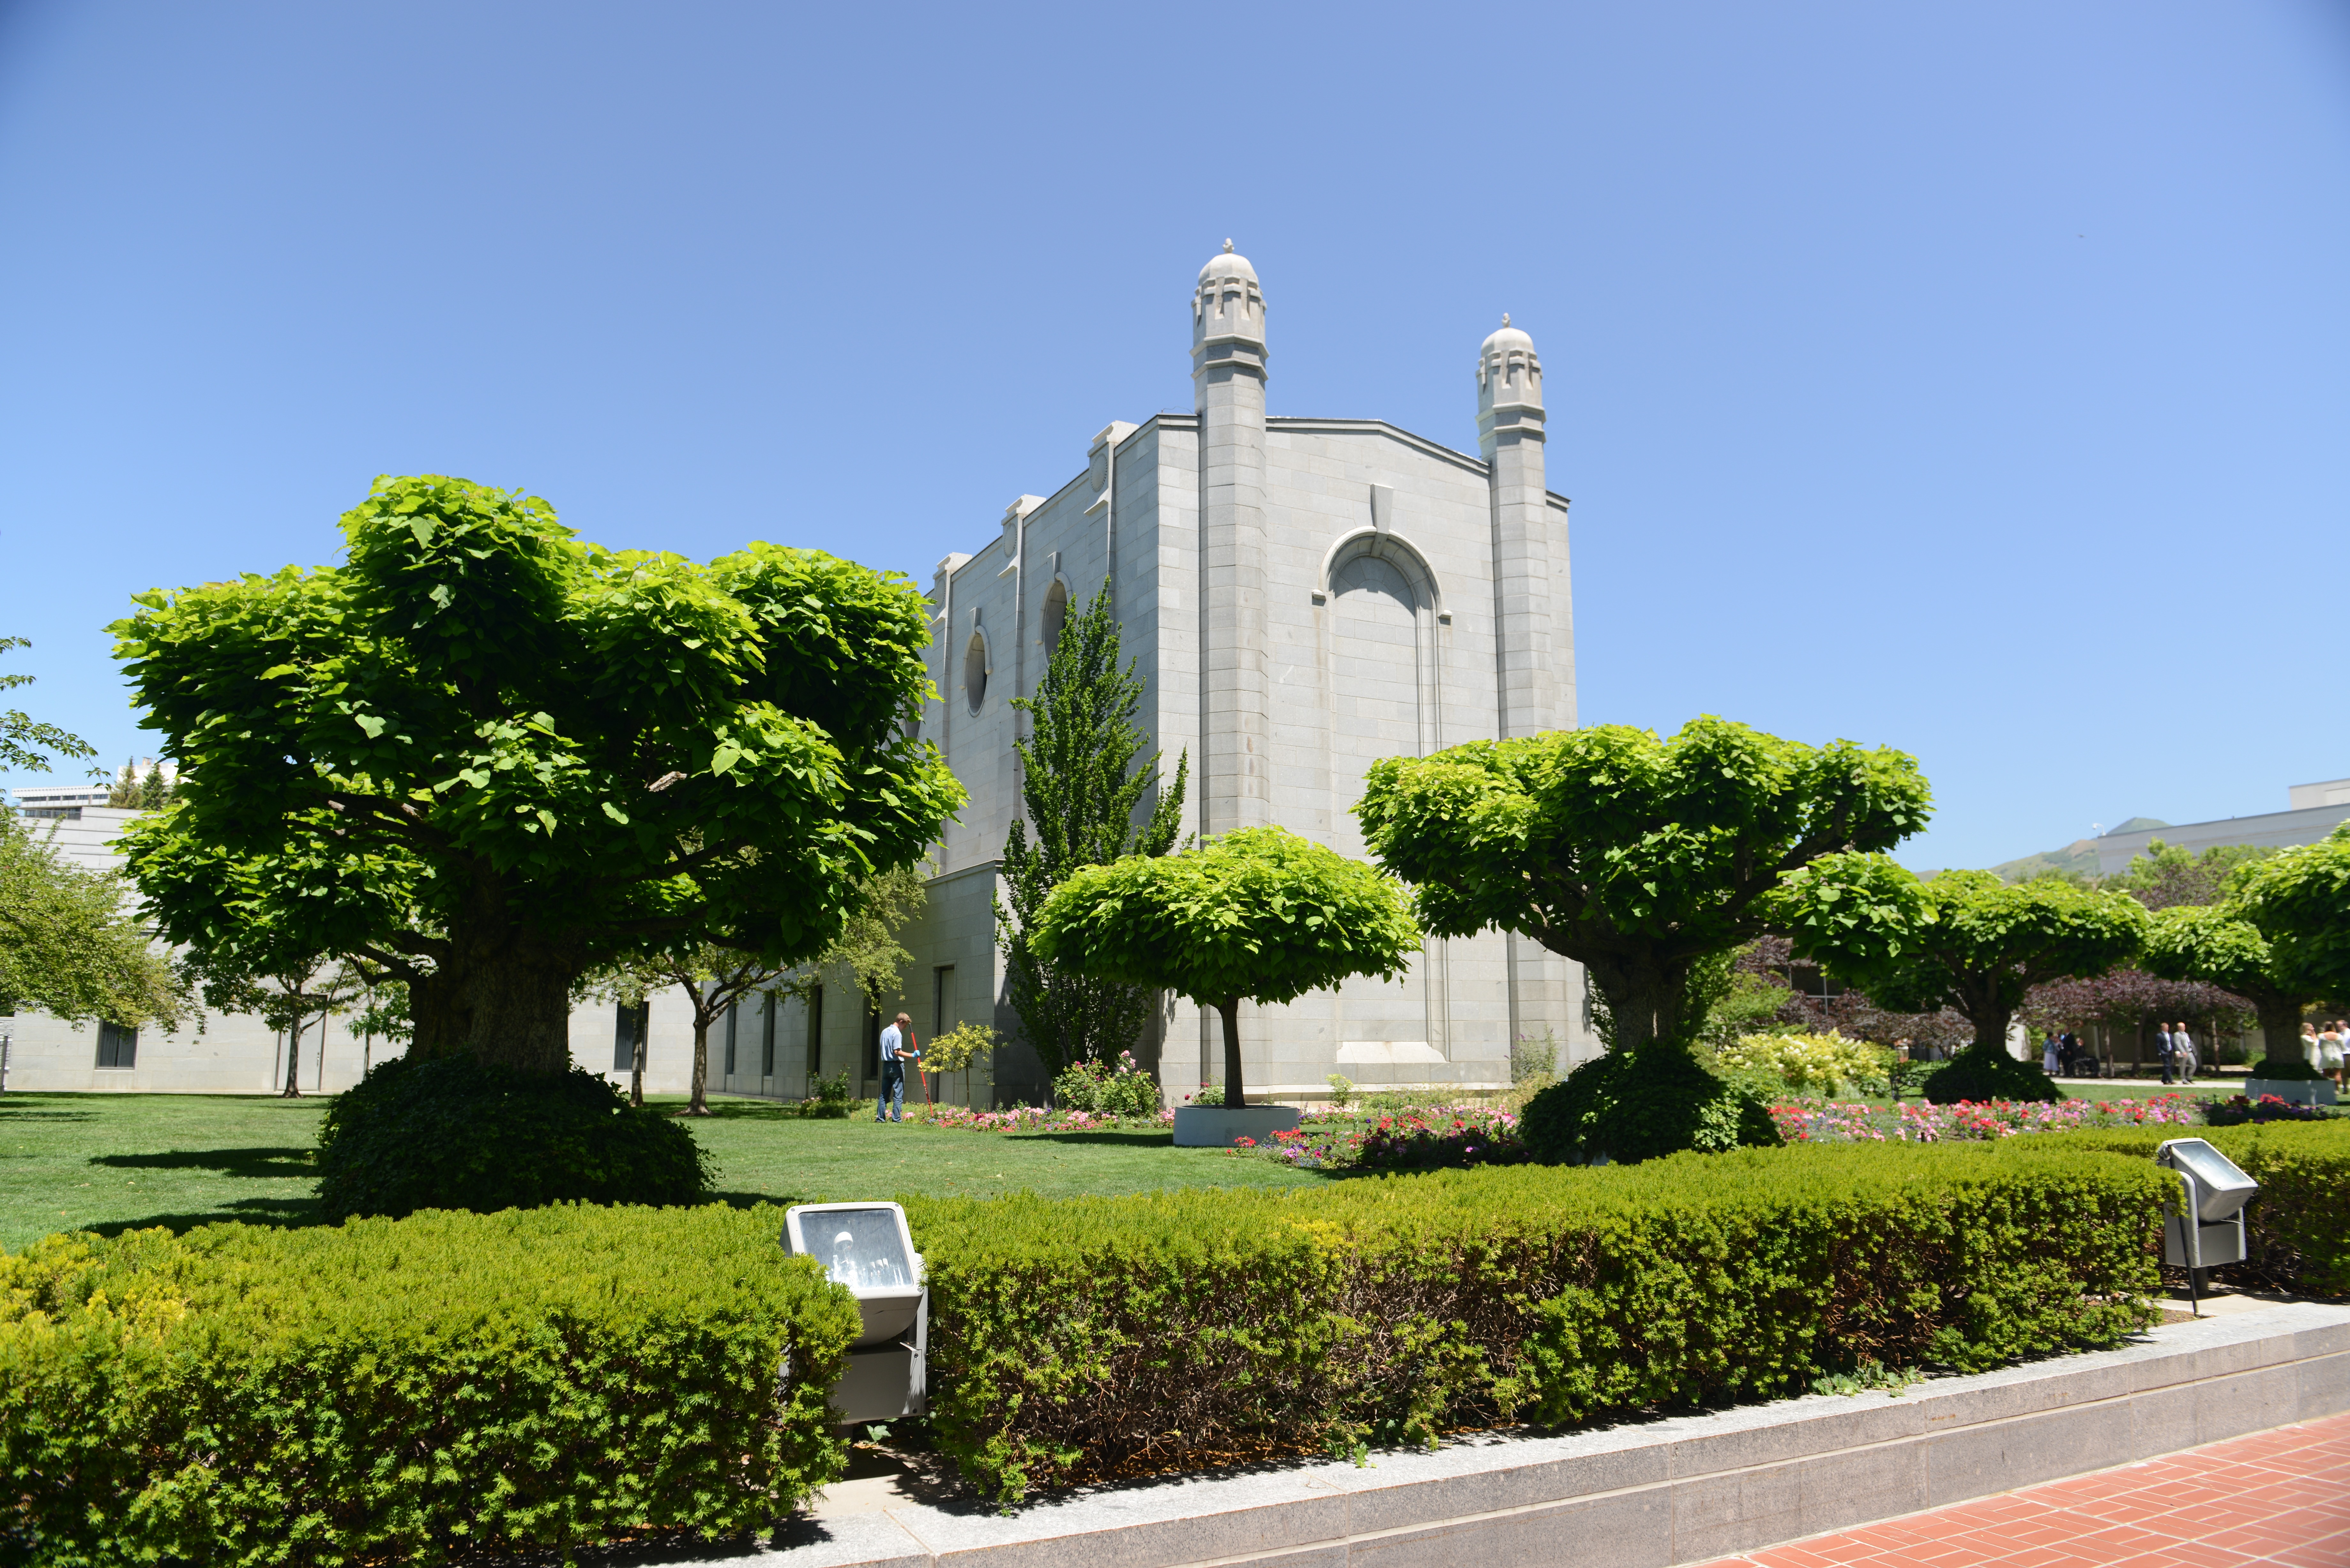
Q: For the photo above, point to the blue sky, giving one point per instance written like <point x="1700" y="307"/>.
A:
<point x="1970" y="377"/>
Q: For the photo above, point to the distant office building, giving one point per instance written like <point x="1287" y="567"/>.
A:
<point x="2312" y="812"/>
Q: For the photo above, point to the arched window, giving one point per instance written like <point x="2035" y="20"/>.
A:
<point x="1057" y="613"/>
<point x="974" y="671"/>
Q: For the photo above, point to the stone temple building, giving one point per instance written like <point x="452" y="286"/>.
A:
<point x="1302" y="596"/>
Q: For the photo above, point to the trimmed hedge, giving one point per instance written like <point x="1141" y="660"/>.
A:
<point x="395" y="1388"/>
<point x="452" y="1132"/>
<point x="1085" y="1337"/>
<point x="2297" y="1227"/>
<point x="1978" y="1074"/>
<point x="1642" y="1103"/>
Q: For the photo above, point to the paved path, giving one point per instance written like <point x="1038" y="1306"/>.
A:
<point x="2276" y="1497"/>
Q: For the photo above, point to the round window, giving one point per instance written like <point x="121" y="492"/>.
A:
<point x="974" y="671"/>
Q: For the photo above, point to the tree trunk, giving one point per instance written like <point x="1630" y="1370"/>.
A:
<point x="502" y="994"/>
<point x="1235" y="1092"/>
<point x="1649" y="1001"/>
<point x="293" y="1090"/>
<point x="699" y="1106"/>
<point x="2280" y="1016"/>
<point x="322" y="1052"/>
<point x="1991" y="1020"/>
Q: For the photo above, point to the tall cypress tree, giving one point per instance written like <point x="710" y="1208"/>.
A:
<point x="1082" y="785"/>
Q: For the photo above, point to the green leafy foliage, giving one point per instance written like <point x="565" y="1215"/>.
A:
<point x="561" y="755"/>
<point x="1258" y="915"/>
<point x="1638" y="858"/>
<point x="1084" y="1338"/>
<point x="1803" y="1063"/>
<point x="1961" y="940"/>
<point x="2300" y="900"/>
<point x="455" y="1132"/>
<point x="1123" y="1090"/>
<point x="68" y="945"/>
<point x="25" y="742"/>
<point x="2168" y="873"/>
<point x="405" y="1389"/>
<point x="1084" y="788"/>
<point x="2297" y="1227"/>
<point x="1642" y="1103"/>
<point x="2215" y="943"/>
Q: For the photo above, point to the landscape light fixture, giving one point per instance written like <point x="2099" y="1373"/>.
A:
<point x="2206" y="1227"/>
<point x="868" y="1248"/>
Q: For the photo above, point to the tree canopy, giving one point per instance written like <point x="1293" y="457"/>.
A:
<point x="25" y="742"/>
<point x="2300" y="900"/>
<point x="1961" y="940"/>
<point x="555" y="754"/>
<point x="1083" y="787"/>
<point x="1633" y="856"/>
<point x="69" y="943"/>
<point x="1256" y="915"/>
<point x="2168" y="873"/>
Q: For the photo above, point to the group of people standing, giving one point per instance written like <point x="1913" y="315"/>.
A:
<point x="2325" y="1049"/>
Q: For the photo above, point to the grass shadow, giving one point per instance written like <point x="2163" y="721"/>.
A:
<point x="282" y="1213"/>
<point x="251" y="1163"/>
<point x="36" y="1112"/>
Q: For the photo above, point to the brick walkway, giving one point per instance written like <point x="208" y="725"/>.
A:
<point x="2282" y="1496"/>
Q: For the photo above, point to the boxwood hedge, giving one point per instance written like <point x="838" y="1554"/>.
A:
<point x="1081" y="1337"/>
<point x="403" y="1389"/>
<point x="2297" y="1229"/>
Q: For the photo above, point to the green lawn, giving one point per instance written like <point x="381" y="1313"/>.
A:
<point x="112" y="1162"/>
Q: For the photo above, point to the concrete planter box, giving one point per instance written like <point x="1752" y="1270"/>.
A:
<point x="1211" y="1127"/>
<point x="2293" y="1091"/>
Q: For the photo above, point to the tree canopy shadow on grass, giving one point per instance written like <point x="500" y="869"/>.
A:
<point x="14" y="1109"/>
<point x="252" y="1164"/>
<point x="285" y="1214"/>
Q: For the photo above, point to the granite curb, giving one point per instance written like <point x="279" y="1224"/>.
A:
<point x="1652" y="1493"/>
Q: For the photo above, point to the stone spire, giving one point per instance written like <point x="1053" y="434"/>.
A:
<point x="1228" y="358"/>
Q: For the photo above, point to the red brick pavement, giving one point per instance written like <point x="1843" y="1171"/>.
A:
<point x="2276" y="1497"/>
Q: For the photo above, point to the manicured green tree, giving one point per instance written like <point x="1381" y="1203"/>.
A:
<point x="1635" y="857"/>
<point x="1962" y="939"/>
<point x="1084" y="788"/>
<point x="564" y="754"/>
<point x="1258" y="915"/>
<point x="2168" y="873"/>
<point x="2300" y="900"/>
<point x="69" y="945"/>
<point x="2280" y="941"/>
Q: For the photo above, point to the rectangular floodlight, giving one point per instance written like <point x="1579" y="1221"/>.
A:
<point x="867" y="1248"/>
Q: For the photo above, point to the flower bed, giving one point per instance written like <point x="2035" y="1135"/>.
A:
<point x="1432" y="1137"/>
<point x="1814" y="1121"/>
<point x="1036" y="1118"/>
<point x="2237" y="1109"/>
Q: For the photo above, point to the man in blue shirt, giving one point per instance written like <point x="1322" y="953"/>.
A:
<point x="896" y="1049"/>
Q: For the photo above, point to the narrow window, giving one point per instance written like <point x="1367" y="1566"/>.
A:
<point x="766" y="1035"/>
<point x="628" y="1029"/>
<point x="816" y="1031"/>
<point x="118" y="1048"/>
<point x="941" y="988"/>
<point x="872" y="1041"/>
<point x="733" y="1017"/>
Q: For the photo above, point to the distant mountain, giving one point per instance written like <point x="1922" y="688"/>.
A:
<point x="2081" y="855"/>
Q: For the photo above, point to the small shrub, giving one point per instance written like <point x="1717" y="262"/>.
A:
<point x="1124" y="1090"/>
<point x="399" y="1390"/>
<point x="1534" y="1056"/>
<point x="832" y="1101"/>
<point x="1210" y="1097"/>
<point x="456" y="1133"/>
<point x="1811" y="1064"/>
<point x="1631" y="1105"/>
<point x="1976" y="1073"/>
<point x="1342" y="1089"/>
